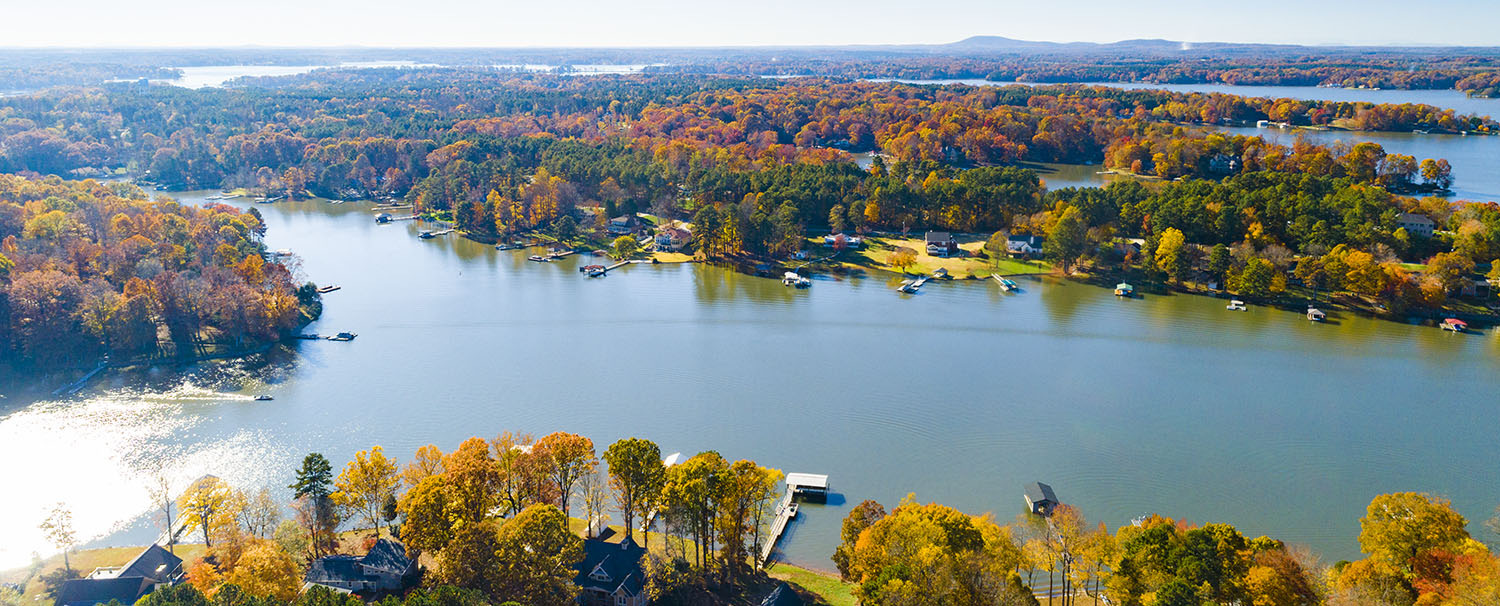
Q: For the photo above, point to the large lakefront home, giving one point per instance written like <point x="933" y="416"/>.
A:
<point x="385" y="569"/>
<point x="153" y="568"/>
<point x="610" y="573"/>
<point x="941" y="244"/>
<point x="1024" y="246"/>
<point x="1415" y="224"/>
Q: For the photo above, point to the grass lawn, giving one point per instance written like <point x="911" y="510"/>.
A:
<point x="84" y="561"/>
<point x="671" y="257"/>
<point x="833" y="591"/>
<point x="877" y="252"/>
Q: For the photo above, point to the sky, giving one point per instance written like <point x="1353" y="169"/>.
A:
<point x="614" y="23"/>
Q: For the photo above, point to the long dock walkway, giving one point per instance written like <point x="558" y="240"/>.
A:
<point x="786" y="511"/>
<point x="807" y="485"/>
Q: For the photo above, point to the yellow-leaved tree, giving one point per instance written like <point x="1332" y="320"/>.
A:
<point x="365" y="484"/>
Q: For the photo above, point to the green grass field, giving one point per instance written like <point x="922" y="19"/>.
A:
<point x="877" y="252"/>
<point x="833" y="591"/>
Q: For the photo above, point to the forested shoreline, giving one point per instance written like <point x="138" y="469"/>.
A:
<point x="504" y="521"/>
<point x="757" y="165"/>
<point x="95" y="269"/>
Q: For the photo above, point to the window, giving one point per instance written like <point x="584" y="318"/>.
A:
<point x="621" y="600"/>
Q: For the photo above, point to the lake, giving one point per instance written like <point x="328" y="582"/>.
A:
<point x="1475" y="159"/>
<point x="960" y="394"/>
<point x="1448" y="98"/>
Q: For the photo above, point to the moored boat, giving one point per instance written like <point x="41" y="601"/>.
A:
<point x="1455" y="325"/>
<point x="1316" y="315"/>
<point x="1236" y="305"/>
<point x="263" y="398"/>
<point x="1124" y="290"/>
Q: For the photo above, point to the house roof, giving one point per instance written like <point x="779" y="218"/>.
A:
<point x="939" y="237"/>
<point x="1037" y="492"/>
<point x="1014" y="240"/>
<point x="1414" y="218"/>
<point x="620" y="562"/>
<point x="810" y="480"/>
<point x="82" y="592"/>
<point x="153" y="563"/>
<point x="385" y="555"/>
<point x="782" y="595"/>
<point x="388" y="555"/>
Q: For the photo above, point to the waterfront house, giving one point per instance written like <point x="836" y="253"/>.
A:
<point x="610" y="573"/>
<point x="941" y="244"/>
<point x="149" y="570"/>
<point x="624" y="225"/>
<point x="1040" y="499"/>
<point x="841" y="241"/>
<point x="1415" y="224"/>
<point x="672" y="238"/>
<point x="1024" y="246"/>
<point x="384" y="570"/>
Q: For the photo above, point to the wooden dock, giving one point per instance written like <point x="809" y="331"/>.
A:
<point x="807" y="485"/>
<point x="786" y="511"/>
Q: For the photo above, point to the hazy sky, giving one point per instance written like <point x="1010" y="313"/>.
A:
<point x="740" y="22"/>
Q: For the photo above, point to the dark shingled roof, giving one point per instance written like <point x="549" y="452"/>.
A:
<point x="83" y="592"/>
<point x="153" y="563"/>
<point x="388" y="555"/>
<point x="335" y="568"/>
<point x="620" y="561"/>
<point x="783" y="595"/>
<point x="1036" y="492"/>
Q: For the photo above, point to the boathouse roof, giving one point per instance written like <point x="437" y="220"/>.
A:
<point x="807" y="480"/>
<point x="1037" y="492"/>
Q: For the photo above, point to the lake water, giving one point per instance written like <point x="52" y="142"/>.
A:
<point x="960" y="394"/>
<point x="1475" y="159"/>
<point x="214" y="76"/>
<point x="1451" y="99"/>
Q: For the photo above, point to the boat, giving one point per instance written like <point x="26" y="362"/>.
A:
<point x="1316" y="315"/>
<point x="907" y="286"/>
<point x="1009" y="284"/>
<point x="1236" y="305"/>
<point x="426" y="235"/>
<point x="328" y="289"/>
<point x="511" y="246"/>
<point x="1124" y="290"/>
<point x="343" y="336"/>
<point x="263" y="398"/>
<point x="793" y="278"/>
<point x="1418" y="131"/>
<point x="538" y="259"/>
<point x="1455" y="325"/>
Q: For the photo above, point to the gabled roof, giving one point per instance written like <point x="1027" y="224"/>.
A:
<point x="782" y="595"/>
<point x="1414" y="218"/>
<point x="939" y="237"/>
<point x="153" y="563"/>
<point x="82" y="592"/>
<point x="620" y="562"/>
<point x="387" y="555"/>
<point x="1036" y="492"/>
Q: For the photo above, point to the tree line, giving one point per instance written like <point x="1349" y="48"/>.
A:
<point x="90" y="268"/>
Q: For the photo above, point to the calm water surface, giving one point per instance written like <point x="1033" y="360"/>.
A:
<point x="960" y="394"/>
<point x="1475" y="159"/>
